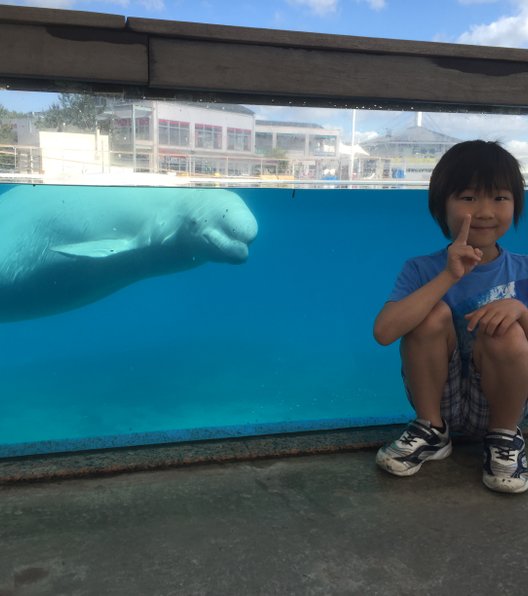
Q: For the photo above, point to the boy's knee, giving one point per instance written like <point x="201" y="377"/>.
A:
<point x="513" y="344"/>
<point x="438" y="322"/>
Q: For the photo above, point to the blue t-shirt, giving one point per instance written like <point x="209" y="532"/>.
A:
<point x="504" y="277"/>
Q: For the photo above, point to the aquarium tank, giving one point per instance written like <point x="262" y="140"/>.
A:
<point x="174" y="271"/>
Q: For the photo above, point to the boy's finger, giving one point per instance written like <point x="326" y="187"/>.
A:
<point x="463" y="233"/>
<point x="473" y="322"/>
<point x="474" y="318"/>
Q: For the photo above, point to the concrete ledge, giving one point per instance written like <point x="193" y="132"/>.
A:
<point x="109" y="462"/>
<point x="116" y="461"/>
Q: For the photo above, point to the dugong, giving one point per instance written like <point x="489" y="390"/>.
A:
<point x="63" y="247"/>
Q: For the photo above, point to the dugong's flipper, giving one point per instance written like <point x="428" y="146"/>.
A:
<point x="96" y="248"/>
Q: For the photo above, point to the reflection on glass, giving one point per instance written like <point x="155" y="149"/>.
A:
<point x="86" y="139"/>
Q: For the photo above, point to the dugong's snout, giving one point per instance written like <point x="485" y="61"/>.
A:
<point x="229" y="250"/>
<point x="245" y="232"/>
<point x="232" y="239"/>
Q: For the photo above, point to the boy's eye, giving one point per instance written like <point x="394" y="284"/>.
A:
<point x="466" y="198"/>
<point x="502" y="198"/>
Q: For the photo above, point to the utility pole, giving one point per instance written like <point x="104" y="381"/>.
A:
<point x="353" y="144"/>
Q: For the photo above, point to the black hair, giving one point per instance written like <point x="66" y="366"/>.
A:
<point x="483" y="165"/>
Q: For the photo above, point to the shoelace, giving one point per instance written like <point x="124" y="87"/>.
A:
<point x="504" y="453"/>
<point x="409" y="438"/>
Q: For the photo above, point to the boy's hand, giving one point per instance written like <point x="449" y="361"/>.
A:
<point x="461" y="258"/>
<point x="496" y="317"/>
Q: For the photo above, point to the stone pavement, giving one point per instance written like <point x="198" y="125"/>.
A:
<point x="310" y="525"/>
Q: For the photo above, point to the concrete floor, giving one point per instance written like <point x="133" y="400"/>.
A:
<point x="311" y="525"/>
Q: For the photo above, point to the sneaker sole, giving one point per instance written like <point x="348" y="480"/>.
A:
<point x="393" y="467"/>
<point x="505" y="485"/>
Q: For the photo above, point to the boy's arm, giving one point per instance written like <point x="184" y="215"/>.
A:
<point x="396" y="319"/>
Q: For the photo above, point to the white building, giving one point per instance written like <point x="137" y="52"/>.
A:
<point x="184" y="139"/>
<point x="181" y="137"/>
<point x="310" y="148"/>
<point x="216" y="139"/>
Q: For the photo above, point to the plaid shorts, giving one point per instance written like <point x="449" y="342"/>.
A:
<point x="463" y="404"/>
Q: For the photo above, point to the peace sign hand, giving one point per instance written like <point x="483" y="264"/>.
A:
<point x="462" y="258"/>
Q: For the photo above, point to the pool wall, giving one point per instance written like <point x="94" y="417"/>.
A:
<point x="281" y="343"/>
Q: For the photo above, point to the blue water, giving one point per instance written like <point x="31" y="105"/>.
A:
<point x="280" y="343"/>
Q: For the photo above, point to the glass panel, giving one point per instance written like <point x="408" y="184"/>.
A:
<point x="263" y="142"/>
<point x="238" y="140"/>
<point x="291" y="142"/>
<point x="124" y="319"/>
<point x="213" y="349"/>
<point x="85" y="139"/>
<point x="174" y="133"/>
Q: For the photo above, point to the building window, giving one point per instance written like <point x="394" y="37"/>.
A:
<point x="207" y="166"/>
<point x="264" y="142"/>
<point x="174" y="133"/>
<point x="143" y="129"/>
<point x="290" y="142"/>
<point x="173" y="163"/>
<point x="323" y="145"/>
<point x="238" y="139"/>
<point x="208" y="136"/>
<point x="122" y="132"/>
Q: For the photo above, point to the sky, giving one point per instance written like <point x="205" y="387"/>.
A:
<point x="478" y="22"/>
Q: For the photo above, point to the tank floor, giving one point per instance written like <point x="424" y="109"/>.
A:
<point x="322" y="524"/>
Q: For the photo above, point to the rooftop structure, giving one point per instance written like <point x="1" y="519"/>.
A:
<point x="414" y="141"/>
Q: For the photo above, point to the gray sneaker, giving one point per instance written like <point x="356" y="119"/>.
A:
<point x="419" y="443"/>
<point x="505" y="468"/>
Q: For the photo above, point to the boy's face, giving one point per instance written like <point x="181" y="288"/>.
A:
<point x="491" y="215"/>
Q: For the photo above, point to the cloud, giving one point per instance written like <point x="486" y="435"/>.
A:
<point x="376" y="4"/>
<point x="150" y="5"/>
<point x="319" y="7"/>
<point x="153" y="5"/>
<point x="507" y="31"/>
<point x="363" y="137"/>
<point x="511" y="130"/>
<point x="65" y="4"/>
<point x="518" y="148"/>
<point x="477" y="1"/>
<point x="324" y="7"/>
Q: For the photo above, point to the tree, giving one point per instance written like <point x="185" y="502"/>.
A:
<point x="79" y="111"/>
<point x="7" y="133"/>
<point x="7" y="137"/>
<point x="282" y="159"/>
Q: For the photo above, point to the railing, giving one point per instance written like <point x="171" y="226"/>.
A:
<point x="19" y="159"/>
<point x="41" y="164"/>
<point x="44" y="49"/>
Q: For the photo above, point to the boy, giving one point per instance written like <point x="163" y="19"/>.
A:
<point x="462" y="318"/>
